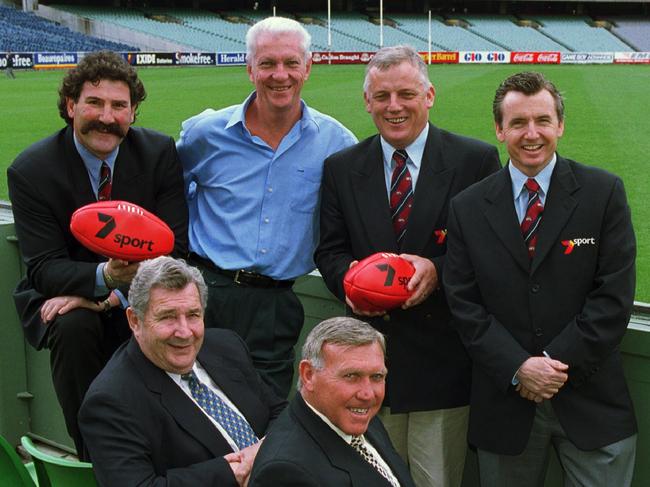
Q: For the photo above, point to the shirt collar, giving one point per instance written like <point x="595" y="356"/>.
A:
<point x="415" y="149"/>
<point x="178" y="378"/>
<point x="239" y="115"/>
<point x="543" y="178"/>
<point x="347" y="438"/>
<point x="91" y="160"/>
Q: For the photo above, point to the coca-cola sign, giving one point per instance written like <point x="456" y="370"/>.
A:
<point x="532" y="57"/>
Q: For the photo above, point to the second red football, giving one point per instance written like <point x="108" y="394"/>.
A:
<point x="379" y="282"/>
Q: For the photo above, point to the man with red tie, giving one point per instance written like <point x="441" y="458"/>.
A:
<point x="70" y="301"/>
<point x="540" y="280"/>
<point x="390" y="193"/>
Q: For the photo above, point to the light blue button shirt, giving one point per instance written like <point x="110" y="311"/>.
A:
<point x="415" y="152"/>
<point x="520" y="193"/>
<point x="250" y="206"/>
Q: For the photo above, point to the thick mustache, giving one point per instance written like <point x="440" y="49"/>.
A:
<point x="111" y="128"/>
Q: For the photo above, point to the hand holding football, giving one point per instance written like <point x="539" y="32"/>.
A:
<point x="379" y="282"/>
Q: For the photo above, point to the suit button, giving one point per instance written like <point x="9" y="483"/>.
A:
<point x="534" y="288"/>
<point x="428" y="316"/>
<point x="386" y="317"/>
<point x="538" y="332"/>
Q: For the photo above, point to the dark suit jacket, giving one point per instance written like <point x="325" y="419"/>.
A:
<point x="573" y="301"/>
<point x="48" y="182"/>
<point x="302" y="451"/>
<point x="356" y="222"/>
<point x="140" y="428"/>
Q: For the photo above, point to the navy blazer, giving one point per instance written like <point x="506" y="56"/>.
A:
<point x="140" y="428"/>
<point x="355" y="223"/>
<point x="49" y="181"/>
<point x="572" y="301"/>
<point x="302" y="451"/>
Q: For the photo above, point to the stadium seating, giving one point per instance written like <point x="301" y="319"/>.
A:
<point x="23" y="31"/>
<point x="223" y="32"/>
<point x="504" y="31"/>
<point x="577" y="34"/>
<point x="633" y="31"/>
<point x="445" y="37"/>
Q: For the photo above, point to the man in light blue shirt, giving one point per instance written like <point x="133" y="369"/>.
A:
<point x="252" y="175"/>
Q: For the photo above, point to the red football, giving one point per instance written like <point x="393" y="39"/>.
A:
<point x="121" y="230"/>
<point x="379" y="282"/>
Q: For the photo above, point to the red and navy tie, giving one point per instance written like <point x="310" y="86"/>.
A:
<point x="533" y="217"/>
<point x="105" y="184"/>
<point x="401" y="195"/>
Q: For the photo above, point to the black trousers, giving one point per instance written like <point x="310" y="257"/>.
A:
<point x="80" y="343"/>
<point x="268" y="319"/>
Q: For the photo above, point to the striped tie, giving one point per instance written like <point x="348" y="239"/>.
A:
<point x="105" y="184"/>
<point x="533" y="217"/>
<point x="236" y="426"/>
<point x="401" y="195"/>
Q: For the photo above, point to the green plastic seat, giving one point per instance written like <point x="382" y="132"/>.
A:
<point x="53" y="471"/>
<point x="12" y="471"/>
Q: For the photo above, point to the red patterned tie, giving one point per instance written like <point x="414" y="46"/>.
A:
<point x="533" y="217"/>
<point x="401" y="195"/>
<point x="105" y="184"/>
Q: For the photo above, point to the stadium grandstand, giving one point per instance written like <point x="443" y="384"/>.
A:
<point x="130" y="25"/>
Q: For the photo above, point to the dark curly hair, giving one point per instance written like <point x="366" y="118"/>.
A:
<point x="528" y="83"/>
<point x="95" y="67"/>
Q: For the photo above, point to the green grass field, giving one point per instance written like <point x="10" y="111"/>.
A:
<point x="607" y="114"/>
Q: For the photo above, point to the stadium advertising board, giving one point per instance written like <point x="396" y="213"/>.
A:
<point x="195" y="59"/>
<point x="20" y="60"/>
<point x="340" y="57"/>
<point x="51" y="60"/>
<point x="587" y="57"/>
<point x="632" y="57"/>
<point x="484" y="57"/>
<point x="440" y="57"/>
<point x="150" y="58"/>
<point x="532" y="57"/>
<point x="231" y="58"/>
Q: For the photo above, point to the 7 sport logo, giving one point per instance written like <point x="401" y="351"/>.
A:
<point x="106" y="230"/>
<point x="569" y="245"/>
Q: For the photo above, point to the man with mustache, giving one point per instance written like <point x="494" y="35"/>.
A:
<point x="70" y="300"/>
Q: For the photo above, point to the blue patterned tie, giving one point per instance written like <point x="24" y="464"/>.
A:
<point x="236" y="426"/>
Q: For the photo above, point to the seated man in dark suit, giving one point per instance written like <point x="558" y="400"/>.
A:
<point x="329" y="436"/>
<point x="175" y="405"/>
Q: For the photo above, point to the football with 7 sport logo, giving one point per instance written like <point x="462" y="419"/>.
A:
<point x="379" y="282"/>
<point x="121" y="230"/>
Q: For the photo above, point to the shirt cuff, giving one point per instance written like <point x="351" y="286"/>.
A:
<point x="124" y="303"/>
<point x="101" y="288"/>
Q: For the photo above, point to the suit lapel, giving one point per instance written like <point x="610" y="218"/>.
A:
<point x="126" y="172"/>
<point x="559" y="206"/>
<point x="369" y="184"/>
<point x="502" y="217"/>
<point x="434" y="181"/>
<point x="81" y="189"/>
<point x="339" y="453"/>
<point x="180" y="407"/>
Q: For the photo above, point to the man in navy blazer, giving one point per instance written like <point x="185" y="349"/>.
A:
<point x="341" y="388"/>
<point x="542" y="304"/>
<point x="71" y="300"/>
<point x="141" y="420"/>
<point x="427" y="421"/>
